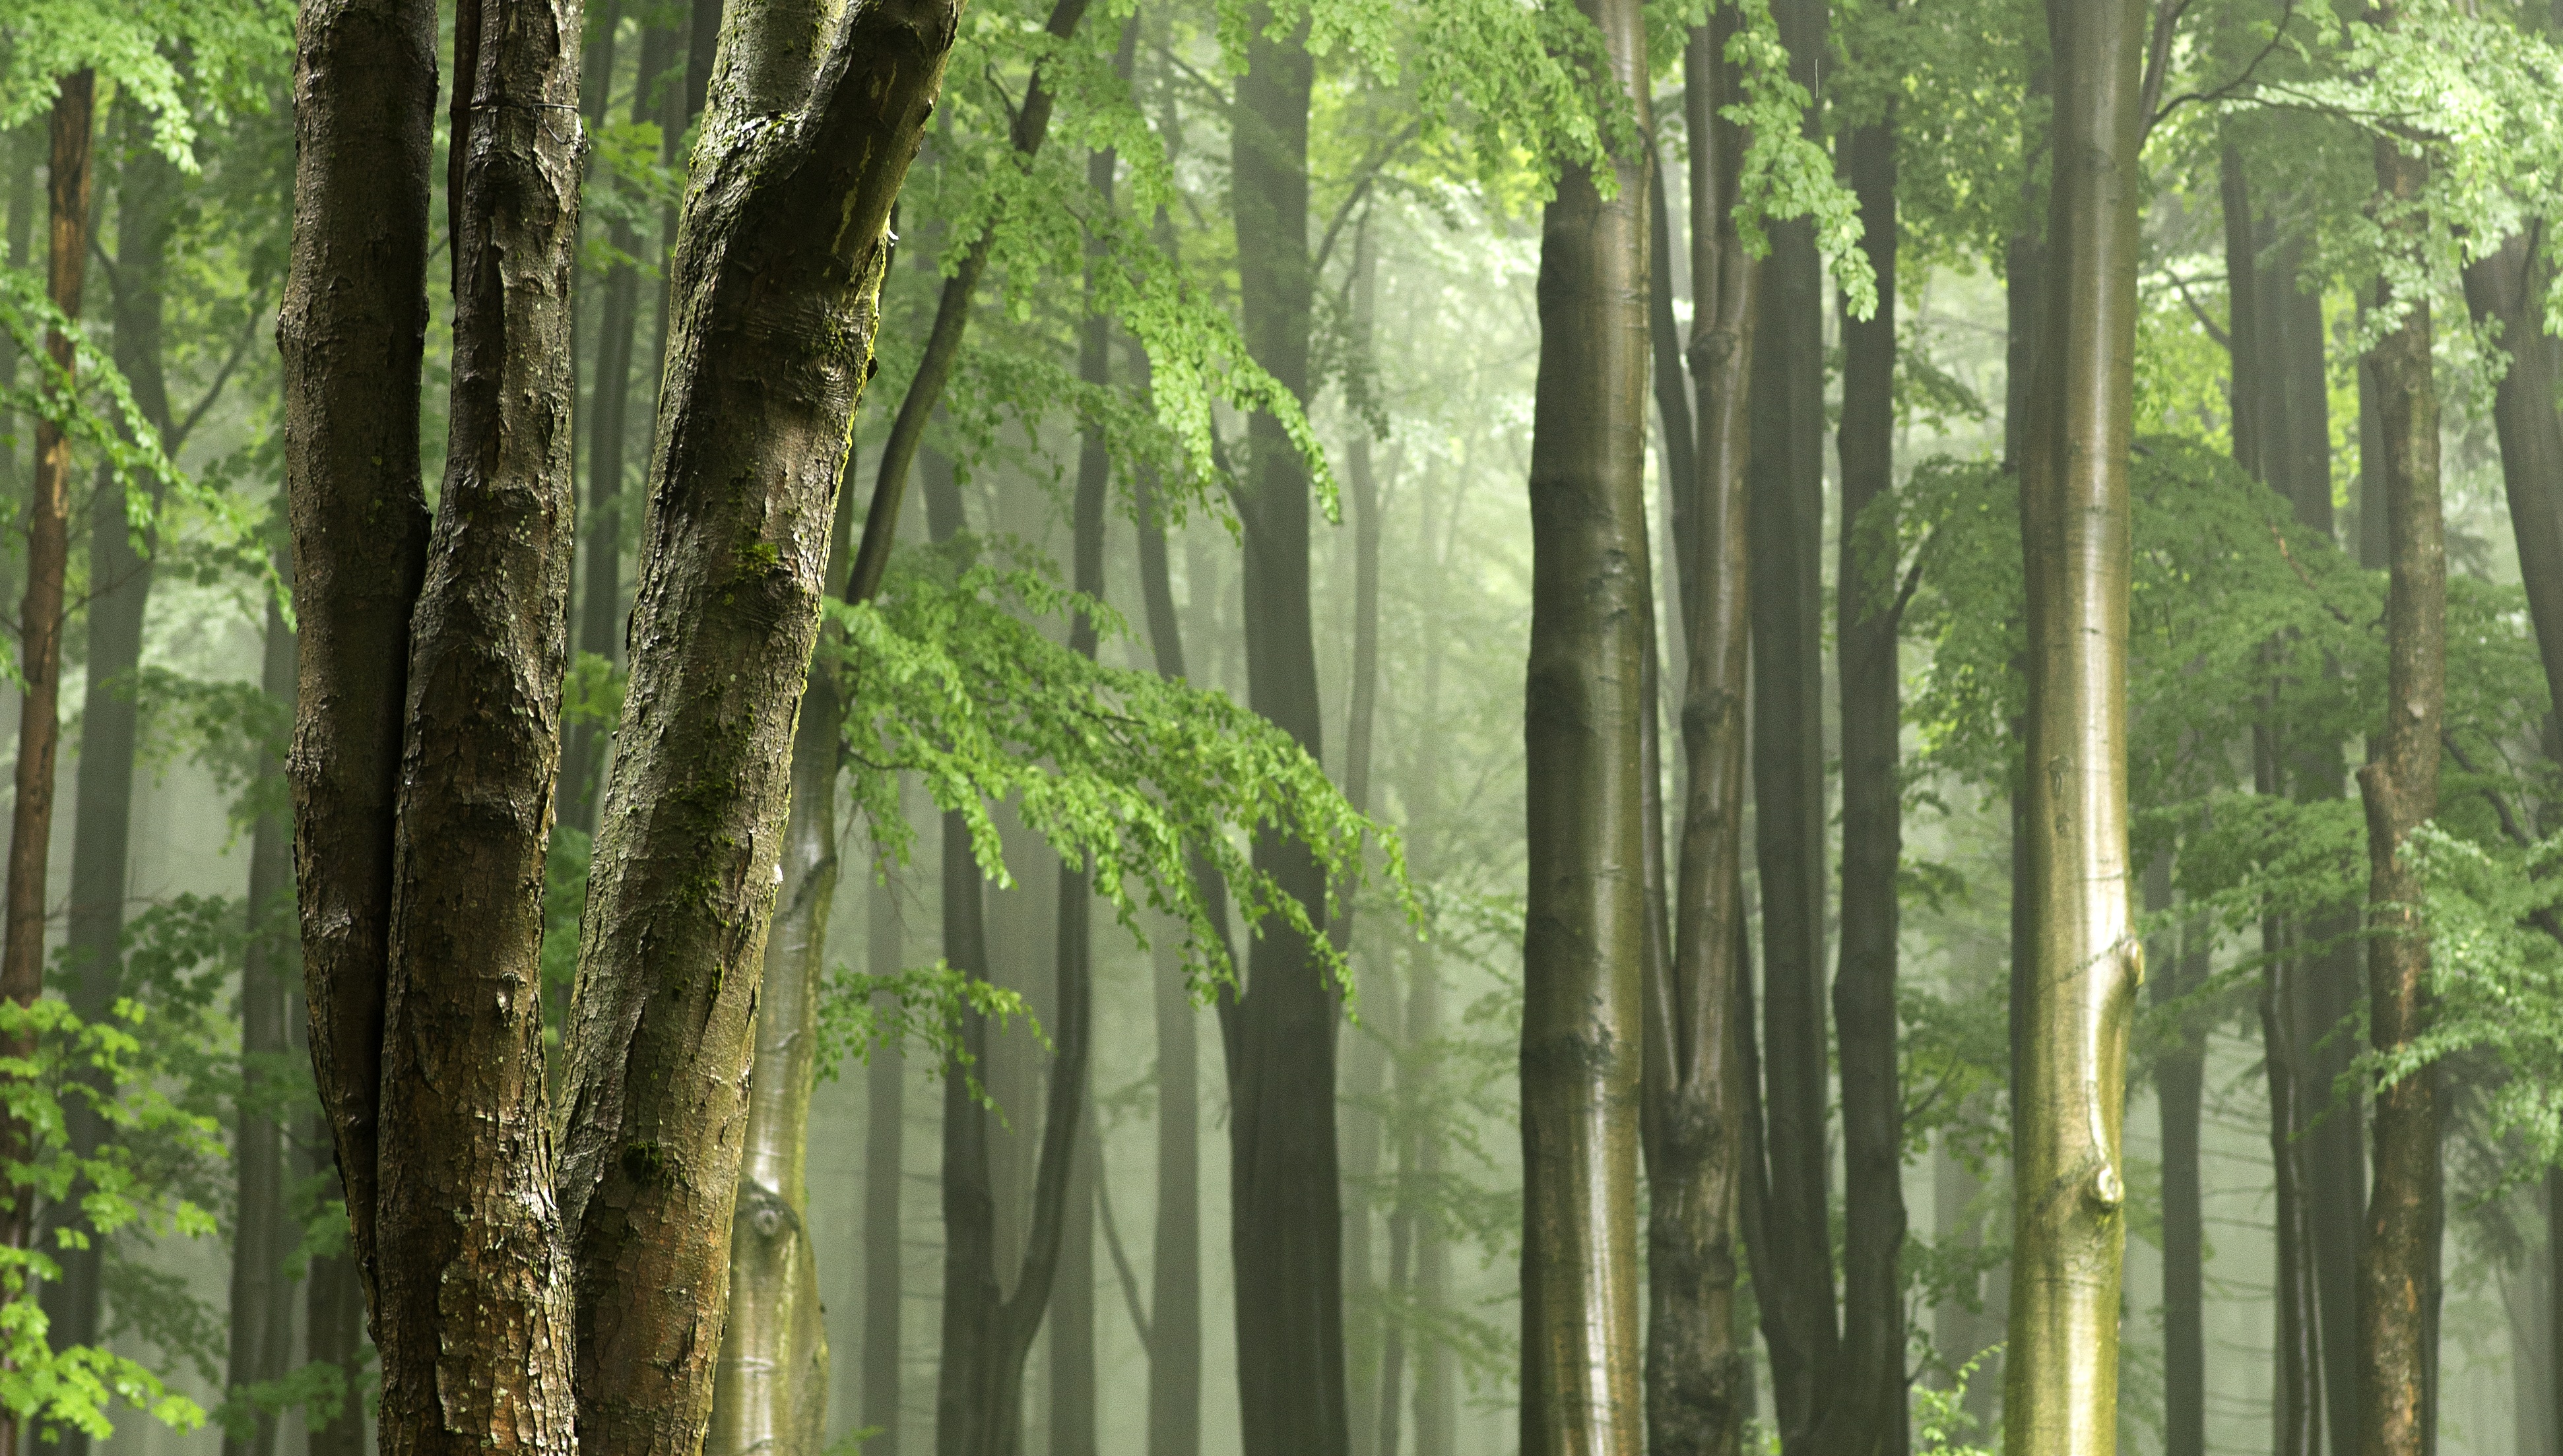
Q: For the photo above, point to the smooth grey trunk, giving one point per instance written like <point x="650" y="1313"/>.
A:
<point x="2180" y="1073"/>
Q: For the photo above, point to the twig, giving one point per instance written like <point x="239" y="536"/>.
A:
<point x="2223" y="339"/>
<point x="222" y="378"/>
<point x="2290" y="558"/>
<point x="2545" y="918"/>
<point x="2278" y="33"/>
<point x="1121" y="1260"/>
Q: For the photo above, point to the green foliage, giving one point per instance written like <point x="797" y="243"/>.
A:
<point x="185" y="63"/>
<point x="1941" y="1426"/>
<point x="2494" y="912"/>
<point x="925" y="1008"/>
<point x="953" y="681"/>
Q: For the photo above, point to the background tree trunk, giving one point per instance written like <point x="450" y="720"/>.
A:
<point x="1697" y="1381"/>
<point x="2077" y="996"/>
<point x="1585" y="931"/>
<point x="2180" y="1084"/>
<point x="1866" y="1416"/>
<point x="783" y="218"/>
<point x="2399" y="1263"/>
<point x="884" y="1174"/>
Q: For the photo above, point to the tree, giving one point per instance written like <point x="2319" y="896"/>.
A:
<point x="2073" y="1003"/>
<point x="1584" y="928"/>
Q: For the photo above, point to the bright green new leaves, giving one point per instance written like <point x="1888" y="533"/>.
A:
<point x="2493" y="913"/>
<point x="185" y="61"/>
<point x="954" y="681"/>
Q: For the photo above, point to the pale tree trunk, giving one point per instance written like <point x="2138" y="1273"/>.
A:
<point x="803" y="148"/>
<point x="1697" y="1381"/>
<point x="885" y="1163"/>
<point x="22" y="953"/>
<point x="2076" y="991"/>
<point x="471" y="1307"/>
<point x="1866" y="1416"/>
<point x="1585" y="931"/>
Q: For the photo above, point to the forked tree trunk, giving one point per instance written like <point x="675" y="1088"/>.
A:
<point x="1585" y="933"/>
<point x="804" y="149"/>
<point x="2083" y="965"/>
<point x="1698" y="1381"/>
<point x="2398" y="1284"/>
<point x="472" y="1306"/>
<point x="1866" y="1416"/>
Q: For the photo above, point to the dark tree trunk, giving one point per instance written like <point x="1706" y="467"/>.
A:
<point x="1794" y="1276"/>
<point x="608" y="429"/>
<point x="1698" y="1381"/>
<point x="2180" y="1080"/>
<point x="261" y="1310"/>
<point x="1585" y="934"/>
<point x="472" y="1308"/>
<point x="1285" y="1218"/>
<point x="352" y="328"/>
<point x="2076" y="986"/>
<point x="2507" y="287"/>
<point x="22" y="956"/>
<point x="1867" y="1414"/>
<point x="805" y="148"/>
<point x="884" y="1174"/>
<point x="2399" y="1263"/>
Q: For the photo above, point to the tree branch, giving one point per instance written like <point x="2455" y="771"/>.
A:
<point x="1121" y="1260"/>
<point x="2278" y="33"/>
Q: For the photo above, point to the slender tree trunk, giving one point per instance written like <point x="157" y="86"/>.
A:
<point x="805" y="148"/>
<point x="1866" y="1415"/>
<point x="1585" y="935"/>
<point x="2399" y="1264"/>
<point x="2078" y="993"/>
<point x="1794" y="1281"/>
<point x="1174" y="1326"/>
<point x="2180" y="1078"/>
<point x="2507" y="287"/>
<point x="608" y="429"/>
<point x="351" y="327"/>
<point x="1284" y="1196"/>
<point x="1698" y="1379"/>
<point x="471" y="1307"/>
<point x="261" y="1311"/>
<point x="2553" y="1293"/>
<point x="885" y="1174"/>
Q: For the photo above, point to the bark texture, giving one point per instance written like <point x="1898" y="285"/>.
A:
<point x="1585" y="933"/>
<point x="471" y="1307"/>
<point x="1867" y="1414"/>
<point x="352" y="328"/>
<point x="2398" y="1284"/>
<point x="1698" y="1381"/>
<point x="2075" y="988"/>
<point x="812" y="126"/>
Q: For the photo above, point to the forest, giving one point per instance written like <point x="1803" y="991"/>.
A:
<point x="831" y="728"/>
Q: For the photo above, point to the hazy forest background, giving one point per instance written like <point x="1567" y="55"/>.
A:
<point x="1105" y="196"/>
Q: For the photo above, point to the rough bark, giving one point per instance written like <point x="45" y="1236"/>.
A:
<point x="884" y="1172"/>
<point x="1286" y="1221"/>
<point x="1794" y="1275"/>
<point x="261" y="1311"/>
<point x="2180" y="1078"/>
<point x="777" y="284"/>
<point x="1866" y="1415"/>
<point x="2077" y="989"/>
<point x="1698" y="1379"/>
<point x="352" y="328"/>
<point x="1585" y="930"/>
<point x="608" y="429"/>
<point x="472" y="1308"/>
<point x="2399" y="1263"/>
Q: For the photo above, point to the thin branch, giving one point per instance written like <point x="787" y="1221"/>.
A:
<point x="2545" y="919"/>
<point x="2278" y="33"/>
<point x="2290" y="558"/>
<point x="2198" y="311"/>
<point x="2167" y="14"/>
<point x="1121" y="1260"/>
<point x="1904" y="593"/>
<point x="214" y="391"/>
<point x="1368" y="173"/>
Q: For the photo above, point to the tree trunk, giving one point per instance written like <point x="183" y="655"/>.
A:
<point x="2399" y="1263"/>
<point x="885" y="1174"/>
<point x="806" y="145"/>
<point x="1866" y="1415"/>
<point x="1585" y="932"/>
<point x="1795" y="1278"/>
<point x="1174" y="1325"/>
<point x="2506" y="287"/>
<point x="1284" y="1196"/>
<point x="350" y="331"/>
<point x="608" y="429"/>
<point x="2083" y="967"/>
<point x="1697" y="1381"/>
<point x="472" y="1310"/>
<point x="2180" y="1082"/>
<point x="261" y="1310"/>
